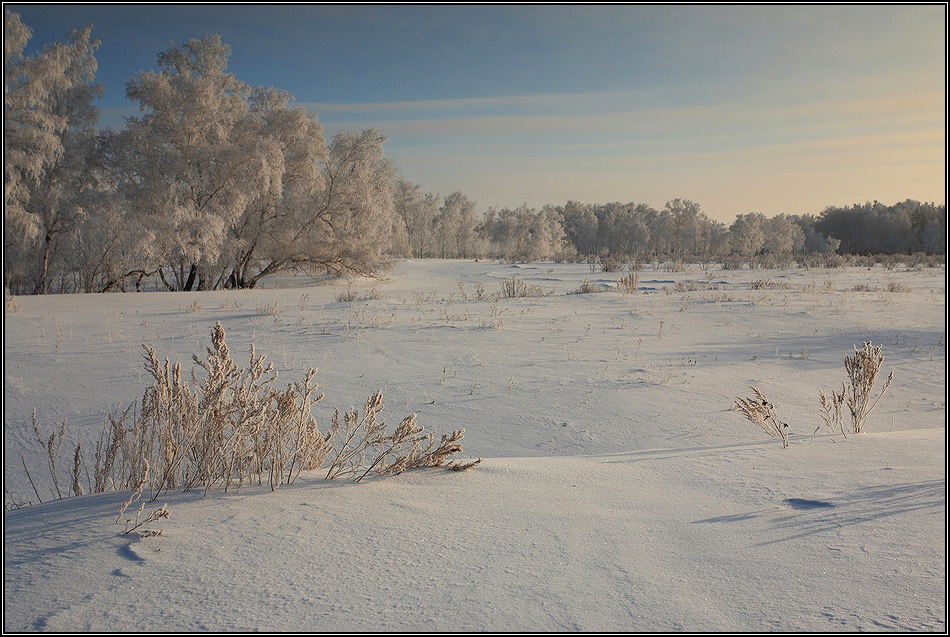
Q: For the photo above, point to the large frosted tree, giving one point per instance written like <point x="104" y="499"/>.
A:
<point x="272" y="232"/>
<point x="333" y="211"/>
<point x="348" y="228"/>
<point x="198" y="162"/>
<point x="48" y="137"/>
<point x="227" y="184"/>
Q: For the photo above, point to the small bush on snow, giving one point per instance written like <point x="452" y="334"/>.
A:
<point x="232" y="426"/>
<point x="760" y="411"/>
<point x="588" y="288"/>
<point x="514" y="288"/>
<point x="863" y="370"/>
<point x="629" y="284"/>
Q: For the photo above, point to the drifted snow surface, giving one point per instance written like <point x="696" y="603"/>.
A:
<point x="618" y="492"/>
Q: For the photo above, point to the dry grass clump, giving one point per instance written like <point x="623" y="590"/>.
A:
<point x="362" y="447"/>
<point x="768" y="284"/>
<point x="231" y="425"/>
<point x="863" y="370"/>
<point x="694" y="286"/>
<point x="514" y="288"/>
<point x="611" y="263"/>
<point x="895" y="286"/>
<point x="588" y="288"/>
<point x="630" y="283"/>
<point x="760" y="411"/>
<point x="269" y="309"/>
<point x="351" y="296"/>
<point x="814" y="286"/>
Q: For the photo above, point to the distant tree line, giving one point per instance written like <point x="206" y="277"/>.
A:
<point x="217" y="184"/>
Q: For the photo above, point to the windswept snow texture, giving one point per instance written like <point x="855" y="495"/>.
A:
<point x="620" y="491"/>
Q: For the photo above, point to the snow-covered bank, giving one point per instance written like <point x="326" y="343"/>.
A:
<point x="736" y="537"/>
<point x="619" y="490"/>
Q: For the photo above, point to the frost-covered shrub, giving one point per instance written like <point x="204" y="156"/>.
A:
<point x="863" y="370"/>
<point x="230" y="425"/>
<point x="611" y="263"/>
<point x="760" y="411"/>
<point x="630" y="283"/>
<point x="514" y="288"/>
<point x="588" y="288"/>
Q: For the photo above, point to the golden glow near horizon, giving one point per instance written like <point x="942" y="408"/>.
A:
<point x="731" y="159"/>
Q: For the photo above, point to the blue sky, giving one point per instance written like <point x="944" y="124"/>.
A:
<point x="770" y="109"/>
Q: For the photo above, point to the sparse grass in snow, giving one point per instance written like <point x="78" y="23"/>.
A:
<point x="269" y="309"/>
<point x="588" y="288"/>
<point x="629" y="283"/>
<point x="590" y="410"/>
<point x="351" y="296"/>
<point x="514" y="288"/>
<point x="898" y="287"/>
<point x="348" y="296"/>
<point x="760" y="411"/>
<point x="768" y="284"/>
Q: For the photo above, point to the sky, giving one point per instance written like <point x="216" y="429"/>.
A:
<point x="773" y="109"/>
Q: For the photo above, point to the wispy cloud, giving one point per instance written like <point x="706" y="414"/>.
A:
<point x="723" y="121"/>
<point x="454" y="104"/>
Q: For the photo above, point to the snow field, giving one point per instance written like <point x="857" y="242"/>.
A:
<point x="619" y="491"/>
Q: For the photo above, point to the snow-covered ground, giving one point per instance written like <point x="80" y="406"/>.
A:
<point x="620" y="490"/>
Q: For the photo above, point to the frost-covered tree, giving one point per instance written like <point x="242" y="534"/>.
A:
<point x="813" y="241"/>
<point x="580" y="226"/>
<point x="503" y="233"/>
<point x="638" y="233"/>
<point x="685" y="226"/>
<point x="272" y="230"/>
<point x="455" y="227"/>
<point x="783" y="236"/>
<point x="227" y="184"/>
<point x="337" y="219"/>
<point x="417" y="213"/>
<point x="349" y="226"/>
<point x="428" y="221"/>
<point x="199" y="162"/>
<point x="525" y="234"/>
<point x="31" y="141"/>
<point x="548" y="239"/>
<point x="48" y="138"/>
<point x="660" y="223"/>
<point x="747" y="234"/>
<point x="104" y="253"/>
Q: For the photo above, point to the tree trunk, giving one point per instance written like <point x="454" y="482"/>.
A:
<point x="192" y="275"/>
<point x="44" y="267"/>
